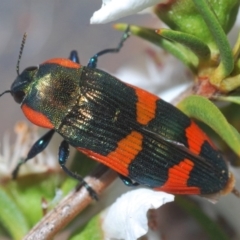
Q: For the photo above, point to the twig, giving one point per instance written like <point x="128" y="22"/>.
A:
<point x="71" y="205"/>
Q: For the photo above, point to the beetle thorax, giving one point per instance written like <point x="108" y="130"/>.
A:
<point x="54" y="91"/>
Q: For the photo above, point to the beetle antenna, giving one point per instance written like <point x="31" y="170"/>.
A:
<point x="21" y="51"/>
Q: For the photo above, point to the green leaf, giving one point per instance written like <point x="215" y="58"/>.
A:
<point x="176" y="49"/>
<point x="12" y="217"/>
<point x="233" y="98"/>
<point x="68" y="185"/>
<point x="183" y="16"/>
<point x="82" y="164"/>
<point x="227" y="62"/>
<point x="28" y="193"/>
<point x="231" y="83"/>
<point x="213" y="230"/>
<point x="92" y="230"/>
<point x="236" y="49"/>
<point x="204" y="110"/>
<point x="196" y="45"/>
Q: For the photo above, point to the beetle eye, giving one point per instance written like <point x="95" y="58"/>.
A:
<point x="18" y="96"/>
<point x="30" y="69"/>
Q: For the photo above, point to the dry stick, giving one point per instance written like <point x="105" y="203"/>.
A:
<point x="71" y="205"/>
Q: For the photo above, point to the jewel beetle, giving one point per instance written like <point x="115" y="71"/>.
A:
<point x="145" y="139"/>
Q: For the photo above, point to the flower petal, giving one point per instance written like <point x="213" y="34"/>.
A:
<point x="127" y="217"/>
<point x="114" y="9"/>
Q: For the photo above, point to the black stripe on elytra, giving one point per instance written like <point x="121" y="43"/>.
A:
<point x="209" y="178"/>
<point x="104" y="118"/>
<point x="150" y="167"/>
<point x="170" y="122"/>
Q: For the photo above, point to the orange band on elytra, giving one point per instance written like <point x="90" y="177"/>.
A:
<point x="122" y="156"/>
<point x="196" y="138"/>
<point x="146" y="105"/>
<point x="178" y="176"/>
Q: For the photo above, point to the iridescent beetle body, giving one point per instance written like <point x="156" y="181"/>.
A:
<point x="132" y="131"/>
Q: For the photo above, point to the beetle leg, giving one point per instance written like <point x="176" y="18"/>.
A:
<point x="62" y="158"/>
<point x="127" y="181"/>
<point x="37" y="147"/>
<point x="93" y="60"/>
<point x="74" y="56"/>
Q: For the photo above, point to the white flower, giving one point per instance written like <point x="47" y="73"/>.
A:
<point x="114" y="9"/>
<point x="11" y="154"/>
<point x="127" y="217"/>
